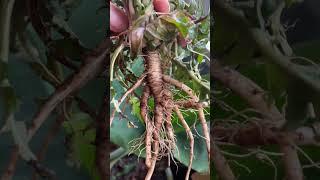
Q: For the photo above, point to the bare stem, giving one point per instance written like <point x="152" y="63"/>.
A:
<point x="88" y="71"/>
<point x="129" y="91"/>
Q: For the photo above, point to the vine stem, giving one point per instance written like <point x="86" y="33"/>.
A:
<point x="129" y="91"/>
<point x="113" y="60"/>
<point x="93" y="65"/>
<point x="6" y="7"/>
<point x="49" y="137"/>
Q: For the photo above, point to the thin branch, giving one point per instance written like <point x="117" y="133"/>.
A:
<point x="50" y="136"/>
<point x="93" y="65"/>
<point x="253" y="134"/>
<point x="129" y="91"/>
<point x="6" y="8"/>
<point x="84" y="107"/>
<point x="51" y="77"/>
<point x="54" y="130"/>
<point x="65" y="61"/>
<point x="43" y="171"/>
<point x="192" y="75"/>
<point x="181" y="86"/>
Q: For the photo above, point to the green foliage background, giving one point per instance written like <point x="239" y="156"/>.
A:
<point x="88" y="22"/>
<point x="228" y="32"/>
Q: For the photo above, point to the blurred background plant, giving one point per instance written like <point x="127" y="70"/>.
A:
<point x="44" y="44"/>
<point x="266" y="96"/>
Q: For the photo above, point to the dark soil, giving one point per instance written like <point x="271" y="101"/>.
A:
<point x="132" y="168"/>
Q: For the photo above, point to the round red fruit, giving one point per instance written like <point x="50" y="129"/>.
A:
<point x="162" y="6"/>
<point x="118" y="19"/>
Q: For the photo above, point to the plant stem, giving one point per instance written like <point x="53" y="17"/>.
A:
<point x="6" y="7"/>
<point x="192" y="75"/>
<point x="113" y="60"/>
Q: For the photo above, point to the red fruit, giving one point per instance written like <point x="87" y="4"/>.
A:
<point x="162" y="6"/>
<point x="119" y="21"/>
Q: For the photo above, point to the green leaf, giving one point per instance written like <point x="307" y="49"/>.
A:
<point x="82" y="143"/>
<point x="118" y="89"/>
<point x="137" y="66"/>
<point x="121" y="134"/>
<point x="181" y="21"/>
<point x="135" y="102"/>
<point x="199" y="58"/>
